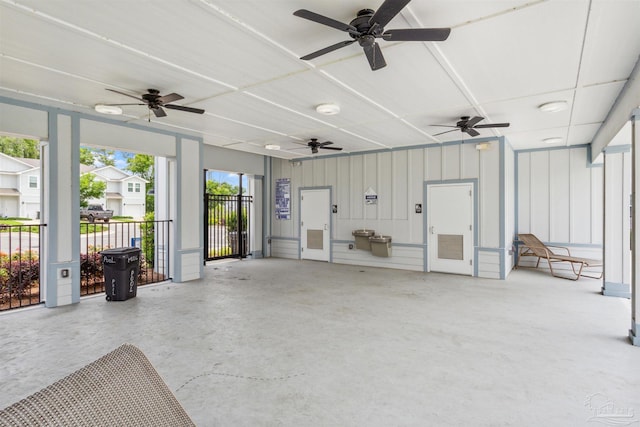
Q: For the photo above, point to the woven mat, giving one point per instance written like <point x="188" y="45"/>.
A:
<point x="119" y="389"/>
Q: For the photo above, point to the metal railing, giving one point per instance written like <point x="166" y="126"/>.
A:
<point x="152" y="237"/>
<point x="20" y="265"/>
<point x="222" y="226"/>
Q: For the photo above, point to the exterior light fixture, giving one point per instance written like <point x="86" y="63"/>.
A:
<point x="554" y="107"/>
<point x="328" y="109"/>
<point x="108" y="109"/>
<point x="553" y="140"/>
<point x="483" y="146"/>
<point x="272" y="147"/>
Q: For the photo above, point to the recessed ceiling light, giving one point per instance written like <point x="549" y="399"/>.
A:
<point x="272" y="147"/>
<point x="553" y="107"/>
<point x="553" y="140"/>
<point x="108" y="109"/>
<point x="328" y="109"/>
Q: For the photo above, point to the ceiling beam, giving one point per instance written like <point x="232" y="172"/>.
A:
<point x="627" y="101"/>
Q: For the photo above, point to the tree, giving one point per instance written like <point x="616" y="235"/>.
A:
<point x="20" y="147"/>
<point x="142" y="165"/>
<point x="90" y="189"/>
<point x="104" y="157"/>
<point x="221" y="188"/>
<point x="86" y="156"/>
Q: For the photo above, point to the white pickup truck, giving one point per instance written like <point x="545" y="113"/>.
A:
<point x="95" y="212"/>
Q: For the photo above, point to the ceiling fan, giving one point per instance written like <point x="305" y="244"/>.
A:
<point x="314" y="144"/>
<point x="368" y="26"/>
<point x="155" y="102"/>
<point x="469" y="125"/>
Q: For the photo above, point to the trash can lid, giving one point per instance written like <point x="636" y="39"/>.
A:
<point x="363" y="233"/>
<point x="380" y="239"/>
<point x="120" y="251"/>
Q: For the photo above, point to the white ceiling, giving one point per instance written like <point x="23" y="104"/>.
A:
<point x="238" y="60"/>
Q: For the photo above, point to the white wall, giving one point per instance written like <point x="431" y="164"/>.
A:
<point x="559" y="199"/>
<point x="398" y="177"/>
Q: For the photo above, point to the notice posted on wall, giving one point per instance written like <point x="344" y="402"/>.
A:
<point x="283" y="198"/>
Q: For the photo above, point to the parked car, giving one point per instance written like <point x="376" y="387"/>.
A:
<point x="96" y="212"/>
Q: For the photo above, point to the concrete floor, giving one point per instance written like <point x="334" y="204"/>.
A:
<point x="296" y="343"/>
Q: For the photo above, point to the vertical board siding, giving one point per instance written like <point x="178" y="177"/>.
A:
<point x="384" y="186"/>
<point x="398" y="179"/>
<point x="560" y="196"/>
<point x="433" y="163"/>
<point x="451" y="162"/>
<point x="581" y="195"/>
<point x="357" y="189"/>
<point x="470" y="161"/>
<point x="524" y="193"/>
<point x="489" y="199"/>
<point x="540" y="195"/>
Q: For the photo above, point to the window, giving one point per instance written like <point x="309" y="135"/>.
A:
<point x="130" y="187"/>
<point x="137" y="187"/>
<point x="33" y="181"/>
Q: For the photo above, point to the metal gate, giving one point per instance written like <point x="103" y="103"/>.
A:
<point x="222" y="226"/>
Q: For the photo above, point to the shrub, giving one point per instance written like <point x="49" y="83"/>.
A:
<point x="147" y="231"/>
<point x="17" y="275"/>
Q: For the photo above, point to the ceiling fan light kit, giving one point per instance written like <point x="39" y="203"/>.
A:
<point x="328" y="109"/>
<point x="113" y="110"/>
<point x="367" y="26"/>
<point x="554" y="106"/>
<point x="552" y="140"/>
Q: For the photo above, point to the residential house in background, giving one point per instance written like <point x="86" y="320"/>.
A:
<point x="125" y="193"/>
<point x="20" y="189"/>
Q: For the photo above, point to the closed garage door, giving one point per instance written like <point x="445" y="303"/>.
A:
<point x="133" y="210"/>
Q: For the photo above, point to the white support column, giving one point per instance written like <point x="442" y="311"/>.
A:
<point x="60" y="210"/>
<point x="617" y="246"/>
<point x="188" y="255"/>
<point x="634" y="332"/>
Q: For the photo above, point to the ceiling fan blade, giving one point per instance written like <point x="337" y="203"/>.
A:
<point x="159" y="112"/>
<point x="472" y="132"/>
<point x="331" y="148"/>
<point x="170" y="98"/>
<point x="327" y="50"/>
<point x="124" y="104"/>
<point x="374" y="55"/>
<point x="418" y="34"/>
<point x="493" y="125"/>
<point x="183" y="108"/>
<point x="387" y="11"/>
<point x="446" y="131"/>
<point x="472" y="121"/>
<point x="320" y="19"/>
<point x="322" y="144"/>
<point x="125" y="94"/>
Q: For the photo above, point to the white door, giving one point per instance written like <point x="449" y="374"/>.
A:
<point x="314" y="224"/>
<point x="450" y="228"/>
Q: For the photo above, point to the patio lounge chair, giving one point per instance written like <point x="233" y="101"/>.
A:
<point x="532" y="246"/>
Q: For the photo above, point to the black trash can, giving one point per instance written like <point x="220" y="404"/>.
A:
<point x="121" y="266"/>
